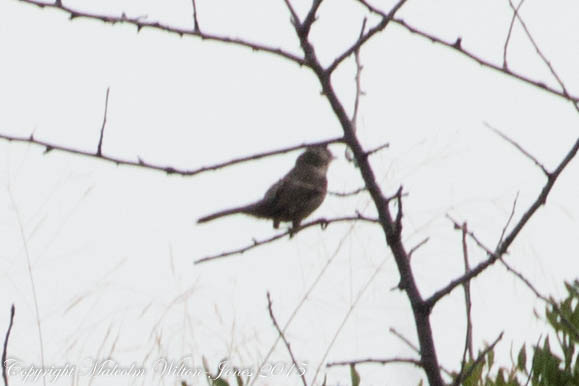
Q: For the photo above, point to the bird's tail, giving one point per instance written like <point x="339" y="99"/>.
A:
<point x="226" y="212"/>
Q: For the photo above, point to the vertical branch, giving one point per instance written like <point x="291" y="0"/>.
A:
<point x="4" y="351"/>
<point x="508" y="39"/>
<point x="100" y="145"/>
<point x="467" y="300"/>
<point x="358" y="77"/>
<point x="195" y="21"/>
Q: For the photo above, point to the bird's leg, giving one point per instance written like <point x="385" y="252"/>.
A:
<point x="294" y="228"/>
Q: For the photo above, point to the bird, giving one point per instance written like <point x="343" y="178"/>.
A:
<point x="295" y="196"/>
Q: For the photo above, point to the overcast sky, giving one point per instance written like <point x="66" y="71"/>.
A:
<point x="111" y="248"/>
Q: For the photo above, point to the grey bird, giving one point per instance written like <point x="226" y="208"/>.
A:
<point x="294" y="197"/>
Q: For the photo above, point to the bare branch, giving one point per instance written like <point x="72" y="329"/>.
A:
<point x="140" y="24"/>
<point x="282" y="335"/>
<point x="468" y="305"/>
<point x="550" y="302"/>
<point x="376" y="361"/>
<point x="196" y="27"/>
<point x="100" y="145"/>
<point x="358" y="78"/>
<point x="483" y="62"/>
<point x="377" y="149"/>
<point x="348" y="194"/>
<point x="509" y="220"/>
<point x="415" y="248"/>
<point x="420" y="309"/>
<point x="519" y="147"/>
<point x="541" y="55"/>
<point x="505" y="244"/>
<point x="256" y="243"/>
<point x="412" y="346"/>
<point x="305" y="296"/>
<point x="310" y="18"/>
<point x="372" y="8"/>
<point x="364" y="38"/>
<point x="404" y="339"/>
<point x="5" y="349"/>
<point x="507" y="40"/>
<point x="166" y="169"/>
<point x="295" y="18"/>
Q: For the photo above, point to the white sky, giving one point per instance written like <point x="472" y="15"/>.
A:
<point x="112" y="248"/>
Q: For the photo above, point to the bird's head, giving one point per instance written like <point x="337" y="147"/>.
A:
<point x="316" y="156"/>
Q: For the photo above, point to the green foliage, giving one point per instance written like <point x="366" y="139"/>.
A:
<point x="547" y="368"/>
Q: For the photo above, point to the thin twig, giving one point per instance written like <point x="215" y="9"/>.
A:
<point x="140" y="24"/>
<point x="479" y="359"/>
<point x="377" y="149"/>
<point x="519" y="147"/>
<point x="486" y="63"/>
<point x="468" y="344"/>
<point x="358" y="78"/>
<point x="282" y="335"/>
<point x="100" y="145"/>
<point x="550" y="302"/>
<point x="468" y="305"/>
<point x="196" y="27"/>
<point x="504" y="231"/>
<point x="348" y="194"/>
<point x="507" y="40"/>
<point x="372" y="9"/>
<point x="541" y="55"/>
<point x="371" y="32"/>
<point x="404" y="339"/>
<point x="5" y="350"/>
<point x="166" y="169"/>
<point x="376" y="361"/>
<point x="412" y="346"/>
<point x="322" y="222"/>
<point x="295" y="18"/>
<point x="304" y="298"/>
<point x="415" y="248"/>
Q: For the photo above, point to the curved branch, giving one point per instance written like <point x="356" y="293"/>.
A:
<point x="167" y="169"/>
<point x="140" y="24"/>
<point x="290" y="232"/>
<point x="483" y="62"/>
